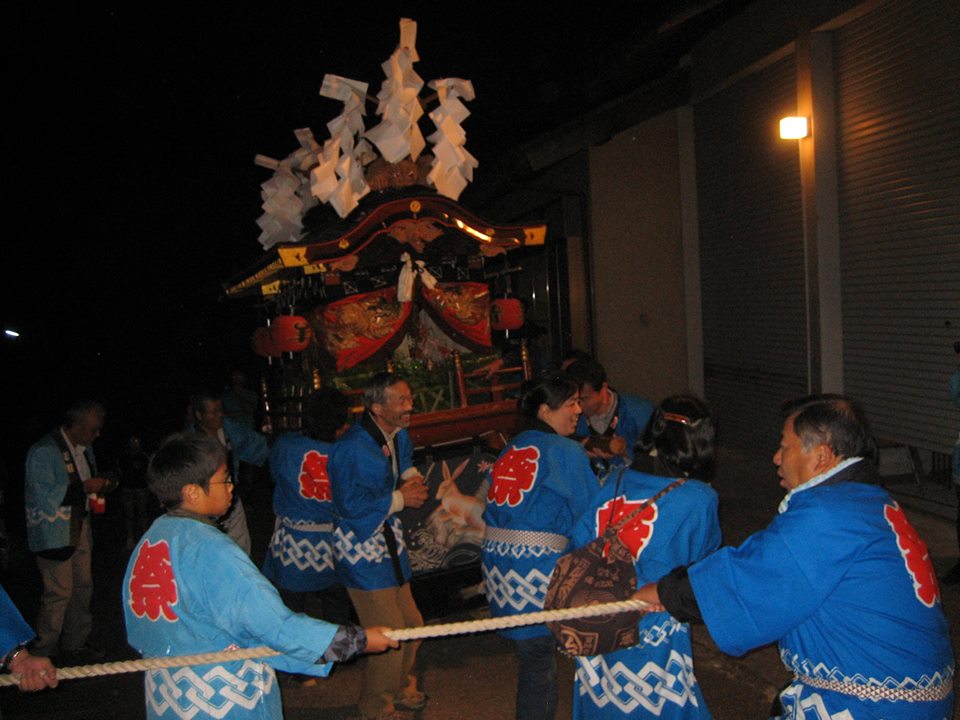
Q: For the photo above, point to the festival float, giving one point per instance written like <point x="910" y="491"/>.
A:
<point x="370" y="263"/>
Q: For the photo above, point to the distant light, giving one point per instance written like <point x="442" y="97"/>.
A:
<point x="793" y="128"/>
<point x="11" y="333"/>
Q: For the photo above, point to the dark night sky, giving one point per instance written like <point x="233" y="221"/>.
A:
<point x="131" y="192"/>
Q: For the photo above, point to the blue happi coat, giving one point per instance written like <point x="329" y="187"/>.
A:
<point x="300" y="555"/>
<point x="844" y="583"/>
<point x="362" y="479"/>
<point x="189" y="589"/>
<point x="539" y="486"/>
<point x="13" y="628"/>
<point x="633" y="414"/>
<point x="654" y="678"/>
<point x="46" y="479"/>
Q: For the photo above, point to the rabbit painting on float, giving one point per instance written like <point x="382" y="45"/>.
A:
<point x="458" y="514"/>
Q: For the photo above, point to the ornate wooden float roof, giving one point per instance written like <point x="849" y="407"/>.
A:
<point x="378" y="232"/>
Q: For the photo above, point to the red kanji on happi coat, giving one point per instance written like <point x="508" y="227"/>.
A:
<point x="314" y="478"/>
<point x="513" y="475"/>
<point x="916" y="557"/>
<point x="635" y="534"/>
<point x="153" y="587"/>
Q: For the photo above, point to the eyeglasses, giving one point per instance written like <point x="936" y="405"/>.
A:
<point x="228" y="481"/>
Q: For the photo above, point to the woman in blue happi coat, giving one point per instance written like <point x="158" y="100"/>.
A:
<point x="539" y="486"/>
<point x="655" y="677"/>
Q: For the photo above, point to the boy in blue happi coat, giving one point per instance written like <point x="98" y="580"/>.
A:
<point x="190" y="589"/>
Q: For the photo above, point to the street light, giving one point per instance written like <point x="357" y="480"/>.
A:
<point x="794" y="128"/>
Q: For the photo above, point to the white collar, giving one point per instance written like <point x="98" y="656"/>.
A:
<point x="817" y="480"/>
<point x="75" y="449"/>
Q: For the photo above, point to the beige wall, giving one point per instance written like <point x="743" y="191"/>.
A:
<point x="637" y="259"/>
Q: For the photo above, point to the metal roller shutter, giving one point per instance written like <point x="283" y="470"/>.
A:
<point x="751" y="247"/>
<point x="898" y="99"/>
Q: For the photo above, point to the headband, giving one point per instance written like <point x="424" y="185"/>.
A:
<point x="682" y="419"/>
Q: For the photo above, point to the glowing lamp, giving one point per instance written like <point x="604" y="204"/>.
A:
<point x="794" y="128"/>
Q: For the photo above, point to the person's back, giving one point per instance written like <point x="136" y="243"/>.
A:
<point x="296" y="455"/>
<point x="300" y="556"/>
<point x="190" y="589"/>
<point x="678" y="528"/>
<point x="675" y="524"/>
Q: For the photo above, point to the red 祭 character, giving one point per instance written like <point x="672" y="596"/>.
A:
<point x="314" y="479"/>
<point x="916" y="557"/>
<point x="637" y="533"/>
<point x="153" y="588"/>
<point x="513" y="475"/>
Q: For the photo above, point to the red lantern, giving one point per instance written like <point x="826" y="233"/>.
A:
<point x="291" y="333"/>
<point x="506" y="314"/>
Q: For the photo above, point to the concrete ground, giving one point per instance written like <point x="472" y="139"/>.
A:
<point x="473" y="676"/>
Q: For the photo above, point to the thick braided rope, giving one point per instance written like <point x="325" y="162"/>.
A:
<point x="511" y="621"/>
<point x="126" y="666"/>
<point x="418" y="633"/>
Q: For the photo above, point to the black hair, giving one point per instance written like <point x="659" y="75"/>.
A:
<point x="552" y="390"/>
<point x="574" y="355"/>
<point x="183" y="459"/>
<point x="684" y="434"/>
<point x="376" y="390"/>
<point x="326" y="412"/>
<point x="77" y="411"/>
<point x="577" y="354"/>
<point x="587" y="372"/>
<point x="832" y="420"/>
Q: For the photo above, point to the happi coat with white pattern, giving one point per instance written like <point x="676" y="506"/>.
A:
<point x="300" y="557"/>
<point x="539" y="486"/>
<point x="655" y="678"/>
<point x="843" y="582"/>
<point x="190" y="589"/>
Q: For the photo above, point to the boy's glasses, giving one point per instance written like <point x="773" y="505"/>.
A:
<point x="228" y="481"/>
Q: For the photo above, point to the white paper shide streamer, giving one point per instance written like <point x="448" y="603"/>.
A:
<point x="408" y="273"/>
<point x="334" y="172"/>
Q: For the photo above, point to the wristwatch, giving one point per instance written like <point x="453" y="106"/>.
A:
<point x="10" y="657"/>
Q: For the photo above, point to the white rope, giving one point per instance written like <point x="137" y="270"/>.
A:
<point x="402" y="634"/>
<point x="126" y="666"/>
<point x="511" y="621"/>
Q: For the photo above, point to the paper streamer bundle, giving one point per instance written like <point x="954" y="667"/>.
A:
<point x="334" y="172"/>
